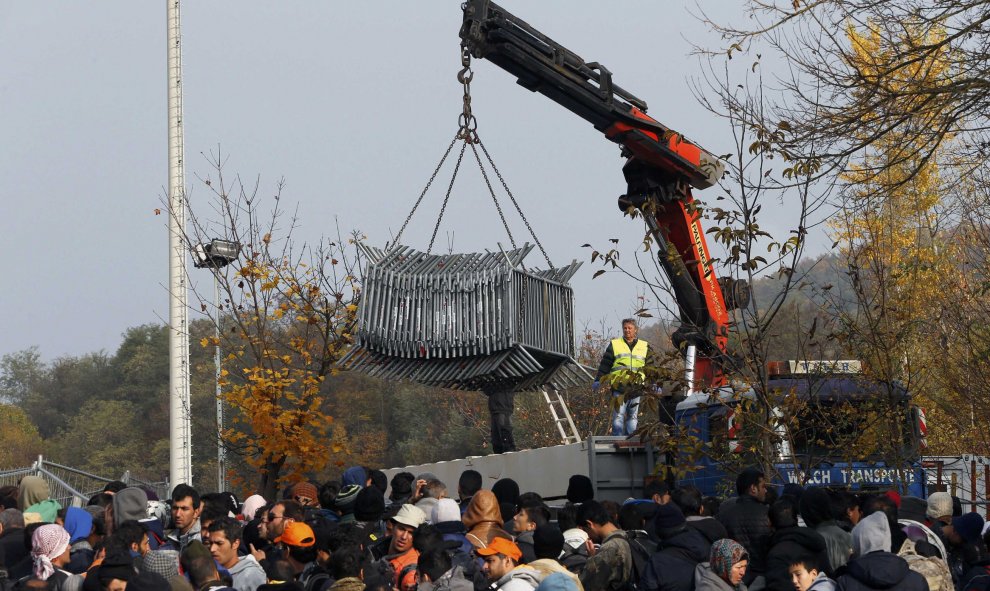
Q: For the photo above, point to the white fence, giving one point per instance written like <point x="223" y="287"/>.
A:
<point x="73" y="487"/>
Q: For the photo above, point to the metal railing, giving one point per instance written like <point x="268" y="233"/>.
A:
<point x="73" y="487"/>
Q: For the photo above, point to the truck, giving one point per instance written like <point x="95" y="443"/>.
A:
<point x="661" y="170"/>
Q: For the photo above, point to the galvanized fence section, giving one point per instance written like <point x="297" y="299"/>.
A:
<point x="465" y="321"/>
<point x="72" y="487"/>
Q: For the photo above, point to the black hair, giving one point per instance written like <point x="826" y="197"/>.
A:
<point x="469" y="484"/>
<point x="567" y="517"/>
<point x="279" y="570"/>
<point x="303" y="555"/>
<point x="655" y="487"/>
<point x="230" y="527"/>
<point x="378" y="480"/>
<point x="201" y="569"/>
<point x="211" y="512"/>
<point x="630" y="518"/>
<point x="346" y="561"/>
<point x="427" y="538"/>
<point x="711" y="505"/>
<point x="29" y="533"/>
<point x="130" y="532"/>
<point x="114" y="486"/>
<point x="292" y="509"/>
<point x="688" y="499"/>
<point x="434" y="564"/>
<point x="885" y="504"/>
<point x="539" y="514"/>
<point x="346" y="534"/>
<point x="783" y="513"/>
<point x="182" y="491"/>
<point x="100" y="500"/>
<point x="328" y="492"/>
<point x="808" y="561"/>
<point x="592" y="511"/>
<point x="749" y="477"/>
<point x="528" y="499"/>
<point x="612" y="508"/>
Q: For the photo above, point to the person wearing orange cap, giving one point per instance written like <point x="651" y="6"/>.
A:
<point x="501" y="557"/>
<point x="300" y="544"/>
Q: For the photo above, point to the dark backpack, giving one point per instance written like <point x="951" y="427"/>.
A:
<point x="317" y="582"/>
<point x="55" y="582"/>
<point x="641" y="548"/>
<point x="979" y="582"/>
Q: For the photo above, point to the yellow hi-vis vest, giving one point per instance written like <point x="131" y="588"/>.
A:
<point x="626" y="359"/>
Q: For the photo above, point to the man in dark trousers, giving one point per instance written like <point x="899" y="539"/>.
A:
<point x="623" y="361"/>
<point x="501" y="399"/>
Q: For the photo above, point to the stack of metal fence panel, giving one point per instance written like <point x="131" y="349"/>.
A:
<point x="465" y="321"/>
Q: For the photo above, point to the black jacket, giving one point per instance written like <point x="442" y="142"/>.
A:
<point x="12" y="541"/>
<point x="672" y="567"/>
<point x="747" y="523"/>
<point x="787" y="545"/>
<point x="709" y="527"/>
<point x="880" y="571"/>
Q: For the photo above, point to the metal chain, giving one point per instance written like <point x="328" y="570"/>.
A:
<point x="423" y="194"/>
<point x="491" y="191"/>
<point x="446" y="198"/>
<point x="467" y="124"/>
<point x="514" y="202"/>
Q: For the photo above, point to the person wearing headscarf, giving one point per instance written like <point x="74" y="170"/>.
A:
<point x="251" y="506"/>
<point x="49" y="554"/>
<point x="79" y="524"/>
<point x="725" y="569"/>
<point x="35" y="497"/>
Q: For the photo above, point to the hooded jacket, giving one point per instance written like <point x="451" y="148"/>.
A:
<point x="705" y="579"/>
<point x="247" y="574"/>
<point x="874" y="566"/>
<point x="483" y="519"/>
<point x="709" y="527"/>
<point x="673" y="566"/>
<point x="786" y="546"/>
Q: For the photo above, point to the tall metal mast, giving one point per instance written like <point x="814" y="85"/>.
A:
<point x="180" y="432"/>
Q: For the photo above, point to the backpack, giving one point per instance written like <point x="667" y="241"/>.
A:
<point x="979" y="582"/>
<point x="55" y="582"/>
<point x="317" y="582"/>
<point x="935" y="570"/>
<point x="573" y="559"/>
<point x="640" y="548"/>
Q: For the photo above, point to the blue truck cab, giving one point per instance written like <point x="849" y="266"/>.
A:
<point x="825" y="414"/>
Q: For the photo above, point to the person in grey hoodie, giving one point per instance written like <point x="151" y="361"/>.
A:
<point x="223" y="538"/>
<point x="873" y="566"/>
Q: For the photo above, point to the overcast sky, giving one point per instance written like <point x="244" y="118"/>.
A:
<point x="352" y="103"/>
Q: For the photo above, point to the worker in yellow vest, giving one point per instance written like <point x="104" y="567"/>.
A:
<point x="623" y="361"/>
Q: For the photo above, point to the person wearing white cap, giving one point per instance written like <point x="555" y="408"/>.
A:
<point x="401" y="554"/>
<point x="939" y="513"/>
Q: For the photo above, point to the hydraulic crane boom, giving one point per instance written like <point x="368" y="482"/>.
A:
<point x="660" y="170"/>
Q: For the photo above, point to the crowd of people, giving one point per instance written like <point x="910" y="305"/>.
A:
<point x="364" y="532"/>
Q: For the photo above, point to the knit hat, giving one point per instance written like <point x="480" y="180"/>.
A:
<point x="939" y="505"/>
<point x="580" y="489"/>
<point x="445" y="510"/>
<point x="913" y="508"/>
<point x="410" y="515"/>
<point x="47" y="543"/>
<point x="297" y="534"/>
<point x="344" y="502"/>
<point x="724" y="554"/>
<point x="148" y="581"/>
<point x="968" y="526"/>
<point x="130" y="503"/>
<point x="379" y="480"/>
<point x="304" y="490"/>
<point x="354" y="475"/>
<point x="116" y="565"/>
<point x="506" y="491"/>
<point x="548" y="542"/>
<point x="369" y="504"/>
<point x="668" y="520"/>
<point x="895" y="496"/>
<point x="401" y="486"/>
<point x="161" y="562"/>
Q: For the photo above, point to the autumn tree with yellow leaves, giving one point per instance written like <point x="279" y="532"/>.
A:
<point x="286" y="317"/>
